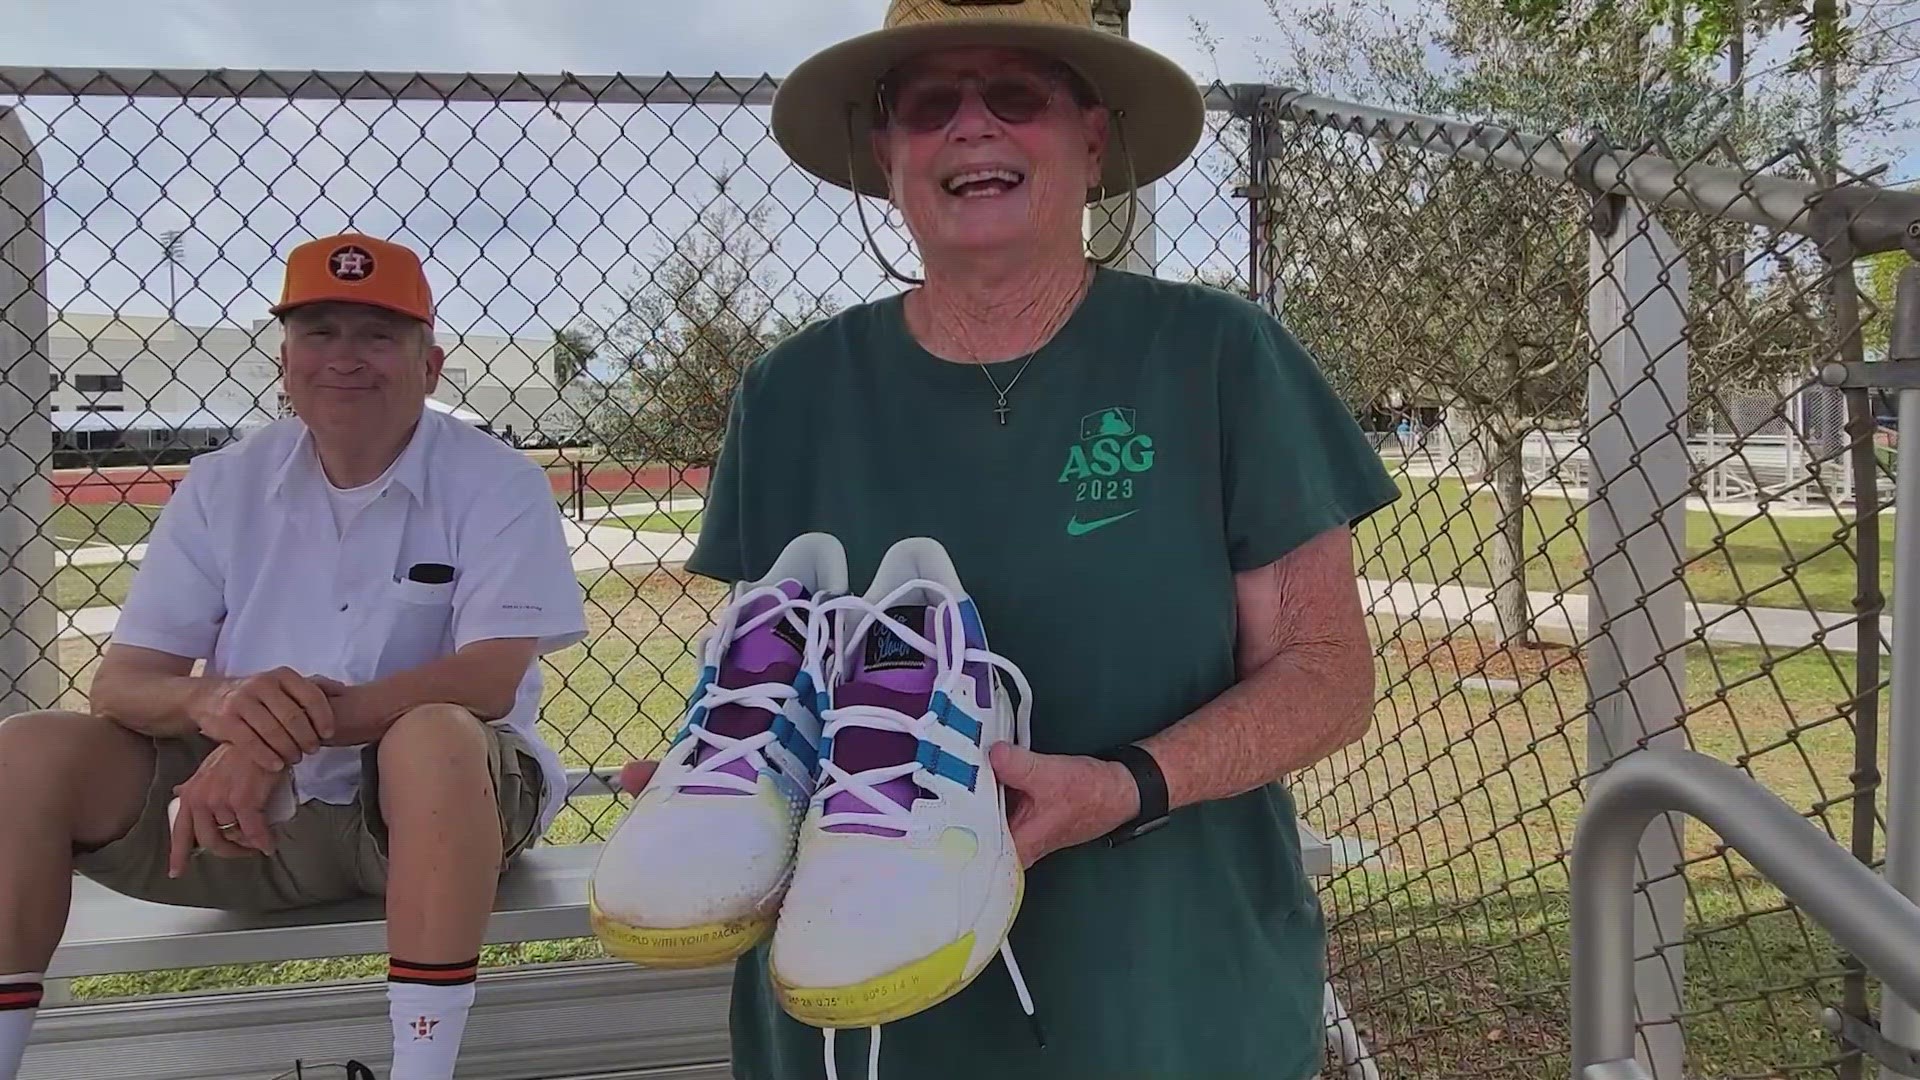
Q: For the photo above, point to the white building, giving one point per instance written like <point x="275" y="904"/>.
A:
<point x="148" y="366"/>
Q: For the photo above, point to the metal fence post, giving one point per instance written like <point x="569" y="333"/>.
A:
<point x="28" y="673"/>
<point x="1901" y="1020"/>
<point x="1264" y="234"/>
<point x="1636" y="531"/>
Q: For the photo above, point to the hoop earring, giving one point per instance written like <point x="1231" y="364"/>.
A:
<point x="860" y="209"/>
<point x="1133" y="193"/>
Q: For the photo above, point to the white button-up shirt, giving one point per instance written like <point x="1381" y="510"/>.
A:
<point x="247" y="570"/>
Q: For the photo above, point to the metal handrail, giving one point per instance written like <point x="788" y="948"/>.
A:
<point x="1871" y="219"/>
<point x="1866" y="916"/>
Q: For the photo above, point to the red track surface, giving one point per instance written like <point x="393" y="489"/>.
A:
<point x="152" y="486"/>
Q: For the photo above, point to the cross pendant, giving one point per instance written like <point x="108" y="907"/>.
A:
<point x="1001" y="411"/>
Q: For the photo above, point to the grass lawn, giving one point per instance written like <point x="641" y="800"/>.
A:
<point x="1435" y="533"/>
<point x="678" y="521"/>
<point x="121" y="524"/>
<point x="100" y="585"/>
<point x="1449" y="937"/>
<point x="1449" y="941"/>
<point x="1480" y="990"/>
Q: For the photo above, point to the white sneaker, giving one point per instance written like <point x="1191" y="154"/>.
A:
<point x="908" y="880"/>
<point x="694" y="874"/>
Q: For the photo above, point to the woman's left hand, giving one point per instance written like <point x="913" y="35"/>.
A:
<point x="1056" y="801"/>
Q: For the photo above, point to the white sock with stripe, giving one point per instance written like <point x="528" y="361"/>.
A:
<point x="428" y="1004"/>
<point x="19" y="1003"/>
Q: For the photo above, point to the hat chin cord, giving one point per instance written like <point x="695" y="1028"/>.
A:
<point x="1126" y="232"/>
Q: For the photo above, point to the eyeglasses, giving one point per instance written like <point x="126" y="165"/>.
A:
<point x="929" y="104"/>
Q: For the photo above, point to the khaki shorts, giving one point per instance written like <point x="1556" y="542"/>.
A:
<point x="325" y="852"/>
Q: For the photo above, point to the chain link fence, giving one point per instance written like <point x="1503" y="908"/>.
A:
<point x="609" y="251"/>
<point x="607" y="254"/>
<point x="1623" y="476"/>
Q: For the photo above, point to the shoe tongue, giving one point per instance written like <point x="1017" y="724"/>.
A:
<point x="769" y="653"/>
<point x="887" y="672"/>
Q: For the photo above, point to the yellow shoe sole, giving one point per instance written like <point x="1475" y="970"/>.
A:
<point x="679" y="947"/>
<point x="900" y="993"/>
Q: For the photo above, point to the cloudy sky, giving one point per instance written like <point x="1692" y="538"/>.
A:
<point x="534" y="213"/>
<point x="734" y="36"/>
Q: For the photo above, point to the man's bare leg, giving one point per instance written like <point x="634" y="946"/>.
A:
<point x="65" y="779"/>
<point x="443" y="863"/>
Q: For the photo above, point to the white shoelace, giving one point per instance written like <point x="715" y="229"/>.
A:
<point x="873" y="1033"/>
<point x="772" y="697"/>
<point x="950" y="653"/>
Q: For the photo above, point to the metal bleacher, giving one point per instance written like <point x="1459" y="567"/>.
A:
<point x="602" y="1019"/>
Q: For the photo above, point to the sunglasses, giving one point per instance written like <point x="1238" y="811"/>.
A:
<point x="929" y="104"/>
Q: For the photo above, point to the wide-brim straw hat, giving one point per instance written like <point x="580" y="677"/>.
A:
<point x="1161" y="113"/>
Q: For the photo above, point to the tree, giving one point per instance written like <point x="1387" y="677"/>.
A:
<point x="573" y="355"/>
<point x="1426" y="277"/>
<point x="1850" y="67"/>
<point x="1881" y="274"/>
<point x="683" y="332"/>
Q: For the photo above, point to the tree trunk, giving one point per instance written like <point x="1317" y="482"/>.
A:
<point x="1737" y="61"/>
<point x="1735" y="266"/>
<point x="1506" y="552"/>
<point x="1826" y="43"/>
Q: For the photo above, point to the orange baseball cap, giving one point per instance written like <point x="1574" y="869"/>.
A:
<point x="356" y="269"/>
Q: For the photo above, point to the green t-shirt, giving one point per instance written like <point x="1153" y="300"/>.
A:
<point x="1167" y="437"/>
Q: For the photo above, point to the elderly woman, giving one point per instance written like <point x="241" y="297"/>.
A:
<point x="1147" y="489"/>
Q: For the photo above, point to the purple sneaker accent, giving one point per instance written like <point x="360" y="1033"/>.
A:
<point x="888" y="673"/>
<point x="769" y="653"/>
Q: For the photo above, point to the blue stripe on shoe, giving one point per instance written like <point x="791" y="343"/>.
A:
<point x="976" y="634"/>
<point x="796" y="743"/>
<point x="814" y="701"/>
<point x="697" y="715"/>
<point x="804" y="751"/>
<point x="940" y="763"/>
<point x="708" y="673"/>
<point x="954" y="717"/>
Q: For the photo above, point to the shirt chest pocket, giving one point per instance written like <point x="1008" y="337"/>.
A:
<point x="412" y="623"/>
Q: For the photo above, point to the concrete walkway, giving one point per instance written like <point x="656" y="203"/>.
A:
<point x="98" y="555"/>
<point x="578" y="532"/>
<point x="602" y="547"/>
<point x="595" y="547"/>
<point x="1557" y="617"/>
<point x="1565" y="616"/>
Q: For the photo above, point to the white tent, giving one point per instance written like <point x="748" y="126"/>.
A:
<point x="210" y="417"/>
<point x="458" y="413"/>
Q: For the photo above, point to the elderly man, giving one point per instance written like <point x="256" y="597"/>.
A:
<point x="1148" y="489"/>
<point x="370" y="584"/>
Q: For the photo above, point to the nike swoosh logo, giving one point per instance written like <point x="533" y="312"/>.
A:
<point x="1076" y="527"/>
